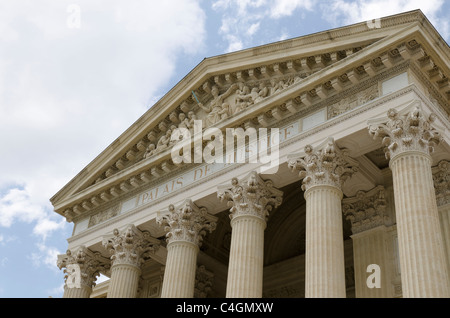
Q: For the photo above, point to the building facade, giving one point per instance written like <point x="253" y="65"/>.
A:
<point x="339" y="187"/>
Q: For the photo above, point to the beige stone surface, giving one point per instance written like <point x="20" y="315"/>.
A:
<point x="186" y="226"/>
<point x="324" y="272"/>
<point x="422" y="258"/>
<point x="337" y="83"/>
<point x="124" y="281"/>
<point x="179" y="275"/>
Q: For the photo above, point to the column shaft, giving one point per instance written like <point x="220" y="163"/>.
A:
<point x="82" y="292"/>
<point x="185" y="225"/>
<point x="324" y="268"/>
<point x="179" y="275"/>
<point x="251" y="199"/>
<point x="245" y="269"/>
<point x="124" y="281"/>
<point x="422" y="261"/>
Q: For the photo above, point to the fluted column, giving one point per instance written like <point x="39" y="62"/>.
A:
<point x="251" y="199"/>
<point x="324" y="171"/>
<point x="409" y="138"/>
<point x="441" y="177"/>
<point x="127" y="247"/>
<point x="81" y="268"/>
<point x="185" y="226"/>
<point x="366" y="212"/>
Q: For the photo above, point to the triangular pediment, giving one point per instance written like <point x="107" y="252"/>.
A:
<point x="256" y="87"/>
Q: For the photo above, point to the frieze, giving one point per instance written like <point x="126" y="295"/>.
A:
<point x="353" y="101"/>
<point x="104" y="215"/>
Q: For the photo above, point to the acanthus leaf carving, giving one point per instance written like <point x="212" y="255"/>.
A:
<point x="441" y="178"/>
<point x="88" y="264"/>
<point x="130" y="245"/>
<point x="203" y="282"/>
<point x="410" y="131"/>
<point x="187" y="223"/>
<point x="366" y="210"/>
<point x="327" y="165"/>
<point x="251" y="196"/>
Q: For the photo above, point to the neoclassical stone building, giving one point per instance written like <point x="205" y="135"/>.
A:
<point x="356" y="204"/>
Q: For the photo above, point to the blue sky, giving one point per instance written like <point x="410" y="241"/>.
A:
<point x="75" y="74"/>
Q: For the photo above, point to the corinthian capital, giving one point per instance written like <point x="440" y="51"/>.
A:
<point x="203" y="282"/>
<point x="441" y="178"/>
<point x="130" y="245"/>
<point x="82" y="266"/>
<point x="187" y="223"/>
<point x="406" y="131"/>
<point x="327" y="165"/>
<point x="250" y="196"/>
<point x="366" y="210"/>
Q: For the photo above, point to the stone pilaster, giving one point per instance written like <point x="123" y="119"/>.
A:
<point x="251" y="199"/>
<point x="324" y="170"/>
<point x="367" y="214"/>
<point x="441" y="177"/>
<point x="185" y="225"/>
<point x="81" y="268"/>
<point x="409" y="138"/>
<point x="128" y="248"/>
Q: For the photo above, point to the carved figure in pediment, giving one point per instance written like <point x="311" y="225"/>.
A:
<point x="164" y="142"/>
<point x="218" y="108"/>
<point x="262" y="93"/>
<point x="277" y="86"/>
<point x="240" y="100"/>
<point x="150" y="150"/>
<point x="184" y="121"/>
<point x="191" y="120"/>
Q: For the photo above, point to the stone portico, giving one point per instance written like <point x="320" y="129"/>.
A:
<point x="355" y="124"/>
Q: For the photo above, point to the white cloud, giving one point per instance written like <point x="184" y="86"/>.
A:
<point x="242" y="19"/>
<point x="17" y="205"/>
<point x="282" y="8"/>
<point x="341" y="12"/>
<point x="46" y="256"/>
<point x="66" y="94"/>
<point x="57" y="291"/>
<point x="3" y="261"/>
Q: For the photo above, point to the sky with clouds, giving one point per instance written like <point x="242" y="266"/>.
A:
<point x="75" y="74"/>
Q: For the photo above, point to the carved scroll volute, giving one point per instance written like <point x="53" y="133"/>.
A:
<point x="130" y="245"/>
<point x="406" y="131"/>
<point x="366" y="210"/>
<point x="187" y="223"/>
<point x="251" y="196"/>
<point x="326" y="165"/>
<point x="82" y="265"/>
